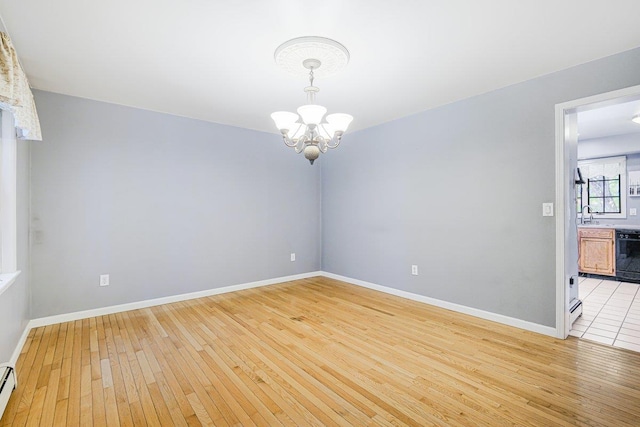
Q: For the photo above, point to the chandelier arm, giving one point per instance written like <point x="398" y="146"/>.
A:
<point x="335" y="145"/>
<point x="323" y="146"/>
<point x="288" y="142"/>
<point x="299" y="146"/>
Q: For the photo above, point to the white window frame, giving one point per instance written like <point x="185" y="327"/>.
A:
<point x="8" y="204"/>
<point x="623" y="185"/>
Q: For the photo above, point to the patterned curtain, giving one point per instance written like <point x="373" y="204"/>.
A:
<point x="15" y="93"/>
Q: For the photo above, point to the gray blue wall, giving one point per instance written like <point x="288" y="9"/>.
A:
<point x="14" y="302"/>
<point x="616" y="145"/>
<point x="458" y="190"/>
<point x="165" y="205"/>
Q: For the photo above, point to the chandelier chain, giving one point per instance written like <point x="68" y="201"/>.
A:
<point x="311" y="78"/>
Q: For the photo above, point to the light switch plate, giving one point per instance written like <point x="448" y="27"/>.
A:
<point x="633" y="212"/>
<point x="547" y="209"/>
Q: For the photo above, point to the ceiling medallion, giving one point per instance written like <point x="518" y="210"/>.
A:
<point x="291" y="55"/>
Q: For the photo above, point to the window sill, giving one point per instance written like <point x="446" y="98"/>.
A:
<point x="7" y="279"/>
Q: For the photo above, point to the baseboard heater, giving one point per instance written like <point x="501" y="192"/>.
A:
<point x="8" y="383"/>
<point x="575" y="311"/>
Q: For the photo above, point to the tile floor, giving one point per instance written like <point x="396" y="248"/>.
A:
<point x="611" y="313"/>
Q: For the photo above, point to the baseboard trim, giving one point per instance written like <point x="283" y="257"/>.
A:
<point x="20" y="345"/>
<point x="78" y="315"/>
<point x="487" y="315"/>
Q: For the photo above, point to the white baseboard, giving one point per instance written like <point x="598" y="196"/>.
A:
<point x="68" y="317"/>
<point x="487" y="315"/>
<point x="19" y="345"/>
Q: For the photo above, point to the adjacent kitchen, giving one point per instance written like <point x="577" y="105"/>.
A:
<point x="608" y="225"/>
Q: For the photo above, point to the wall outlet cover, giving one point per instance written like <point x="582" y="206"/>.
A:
<point x="633" y="211"/>
<point x="547" y="209"/>
<point x="104" y="280"/>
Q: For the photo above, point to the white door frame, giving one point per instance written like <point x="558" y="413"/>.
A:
<point x="565" y="176"/>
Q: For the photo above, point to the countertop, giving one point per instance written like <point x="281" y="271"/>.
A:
<point x="605" y="225"/>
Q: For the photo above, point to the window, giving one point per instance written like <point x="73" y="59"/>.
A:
<point x="8" y="230"/>
<point x="19" y="118"/>
<point x="603" y="192"/>
<point x="579" y="198"/>
<point x="8" y="194"/>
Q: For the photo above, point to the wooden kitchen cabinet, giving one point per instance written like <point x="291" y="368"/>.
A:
<point x="597" y="251"/>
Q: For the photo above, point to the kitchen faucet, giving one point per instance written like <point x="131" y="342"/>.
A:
<point x="582" y="220"/>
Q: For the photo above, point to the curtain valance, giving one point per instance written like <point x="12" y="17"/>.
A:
<point x="609" y="167"/>
<point x="15" y="93"/>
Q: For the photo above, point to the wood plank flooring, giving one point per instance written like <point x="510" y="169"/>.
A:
<point x="315" y="352"/>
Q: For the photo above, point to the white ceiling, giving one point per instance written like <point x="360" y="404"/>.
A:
<point x="608" y="121"/>
<point x="213" y="59"/>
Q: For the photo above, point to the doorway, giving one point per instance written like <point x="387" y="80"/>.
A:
<point x="567" y="278"/>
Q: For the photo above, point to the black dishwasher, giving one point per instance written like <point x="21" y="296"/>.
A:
<point x="628" y="255"/>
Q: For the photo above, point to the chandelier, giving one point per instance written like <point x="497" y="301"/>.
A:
<point x="310" y="131"/>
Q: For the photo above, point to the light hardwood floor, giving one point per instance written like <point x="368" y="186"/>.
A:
<point x="315" y="352"/>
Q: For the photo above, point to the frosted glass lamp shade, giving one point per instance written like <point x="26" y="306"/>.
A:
<point x="285" y="120"/>
<point x="636" y="119"/>
<point x="339" y="121"/>
<point x="312" y="114"/>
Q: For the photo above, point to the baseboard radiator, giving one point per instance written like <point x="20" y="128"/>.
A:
<point x="575" y="311"/>
<point x="8" y="383"/>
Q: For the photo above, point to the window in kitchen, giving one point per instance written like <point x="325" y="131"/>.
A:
<point x="578" y="198"/>
<point x="603" y="191"/>
<point x="604" y="194"/>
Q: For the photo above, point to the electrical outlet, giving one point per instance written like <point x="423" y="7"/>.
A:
<point x="633" y="212"/>
<point x="293" y="256"/>
<point x="414" y="270"/>
<point x="104" y="280"/>
<point x="547" y="209"/>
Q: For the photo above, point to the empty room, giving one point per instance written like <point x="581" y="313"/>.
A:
<point x="302" y="213"/>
